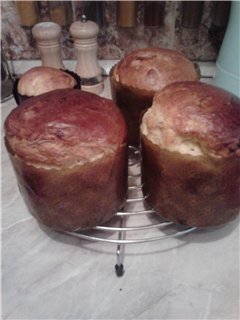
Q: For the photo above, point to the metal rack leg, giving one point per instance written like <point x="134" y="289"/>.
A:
<point x="119" y="268"/>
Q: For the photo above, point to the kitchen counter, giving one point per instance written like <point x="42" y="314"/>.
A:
<point x="50" y="275"/>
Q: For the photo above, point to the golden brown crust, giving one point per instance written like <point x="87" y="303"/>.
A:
<point x="191" y="154"/>
<point x="152" y="69"/>
<point x="74" y="198"/>
<point x="206" y="116"/>
<point x="69" y="152"/>
<point x="194" y="191"/>
<point x="133" y="103"/>
<point x="139" y="75"/>
<point x="65" y="127"/>
<point x="42" y="79"/>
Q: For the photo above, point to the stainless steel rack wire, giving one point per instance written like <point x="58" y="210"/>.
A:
<point x="126" y="223"/>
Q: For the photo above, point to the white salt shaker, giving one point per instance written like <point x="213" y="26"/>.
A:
<point x="84" y="34"/>
<point x="47" y="35"/>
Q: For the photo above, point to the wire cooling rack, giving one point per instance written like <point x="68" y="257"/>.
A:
<point x="135" y="223"/>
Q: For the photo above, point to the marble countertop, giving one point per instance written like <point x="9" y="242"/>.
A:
<point x="48" y="275"/>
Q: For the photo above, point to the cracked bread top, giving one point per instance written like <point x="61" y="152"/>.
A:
<point x="151" y="69"/>
<point x="64" y="128"/>
<point x="43" y="79"/>
<point x="194" y="118"/>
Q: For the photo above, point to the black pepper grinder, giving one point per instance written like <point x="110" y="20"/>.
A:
<point x="84" y="33"/>
<point x="47" y="36"/>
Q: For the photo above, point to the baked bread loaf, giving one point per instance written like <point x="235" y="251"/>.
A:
<point x="69" y="152"/>
<point x="43" y="79"/>
<point x="191" y="154"/>
<point x="142" y="73"/>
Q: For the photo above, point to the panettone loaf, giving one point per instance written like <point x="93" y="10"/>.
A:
<point x="69" y="152"/>
<point x="142" y="73"/>
<point x="39" y="80"/>
<point x="191" y="154"/>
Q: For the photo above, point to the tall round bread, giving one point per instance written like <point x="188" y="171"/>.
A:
<point x="142" y="73"/>
<point x="39" y="80"/>
<point x="69" y="152"/>
<point x="191" y="154"/>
